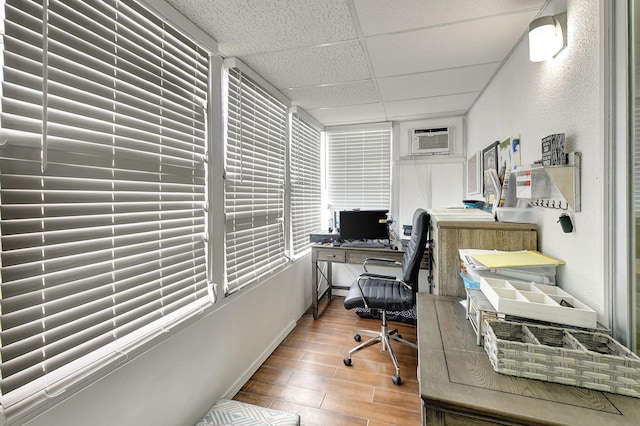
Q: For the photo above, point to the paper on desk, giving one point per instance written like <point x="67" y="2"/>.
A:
<point x="470" y="262"/>
<point x="514" y="259"/>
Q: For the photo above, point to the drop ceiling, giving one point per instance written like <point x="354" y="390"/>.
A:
<point x="357" y="61"/>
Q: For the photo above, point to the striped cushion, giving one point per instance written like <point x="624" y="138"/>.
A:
<point x="228" y="412"/>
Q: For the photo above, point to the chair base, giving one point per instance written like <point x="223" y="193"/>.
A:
<point x="384" y="336"/>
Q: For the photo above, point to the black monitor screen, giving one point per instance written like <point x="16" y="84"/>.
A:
<point x="363" y="225"/>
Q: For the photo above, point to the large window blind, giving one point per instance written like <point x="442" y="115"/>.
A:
<point x="102" y="183"/>
<point x="304" y="172"/>
<point x="256" y="141"/>
<point x="359" y="167"/>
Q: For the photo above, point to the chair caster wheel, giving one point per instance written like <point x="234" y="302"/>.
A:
<point x="347" y="362"/>
<point x="395" y="379"/>
<point x="399" y="336"/>
<point x="357" y="338"/>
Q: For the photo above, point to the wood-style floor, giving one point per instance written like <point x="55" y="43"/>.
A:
<point x="306" y="374"/>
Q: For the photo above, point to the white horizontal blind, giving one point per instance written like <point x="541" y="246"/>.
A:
<point x="103" y="216"/>
<point x="304" y="172"/>
<point x="359" y="167"/>
<point x="254" y="181"/>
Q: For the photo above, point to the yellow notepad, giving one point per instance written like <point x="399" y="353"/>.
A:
<point x="513" y="259"/>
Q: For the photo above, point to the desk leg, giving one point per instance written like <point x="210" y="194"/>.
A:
<point x="329" y="280"/>
<point x="315" y="283"/>
<point x="478" y="314"/>
<point x="314" y="287"/>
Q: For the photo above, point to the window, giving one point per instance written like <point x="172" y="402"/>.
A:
<point x="359" y="167"/>
<point x="256" y="141"/>
<point x="304" y="172"/>
<point x="102" y="186"/>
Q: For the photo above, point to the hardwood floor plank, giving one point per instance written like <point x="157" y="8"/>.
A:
<point x="316" y="346"/>
<point x="293" y="394"/>
<point x="405" y="401"/>
<point x="371" y="410"/>
<point x="252" y="398"/>
<point x="376" y="423"/>
<point x="333" y="387"/>
<point x="272" y="375"/>
<point x="297" y="365"/>
<point x="288" y="352"/>
<point x="317" y="417"/>
<point x="306" y="374"/>
<point x="376" y="380"/>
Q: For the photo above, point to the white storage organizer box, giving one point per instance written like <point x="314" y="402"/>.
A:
<point x="516" y="214"/>
<point x="537" y="301"/>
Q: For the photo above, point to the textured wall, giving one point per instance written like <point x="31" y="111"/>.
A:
<point x="176" y="382"/>
<point x="562" y="95"/>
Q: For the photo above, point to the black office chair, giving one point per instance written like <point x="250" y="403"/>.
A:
<point x="388" y="293"/>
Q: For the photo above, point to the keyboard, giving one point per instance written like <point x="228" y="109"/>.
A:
<point x="364" y="244"/>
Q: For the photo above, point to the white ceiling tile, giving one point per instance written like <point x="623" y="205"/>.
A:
<point x="473" y="42"/>
<point x="444" y="105"/>
<point x="361" y="92"/>
<point x="349" y="114"/>
<point x="336" y="63"/>
<point x="423" y="57"/>
<point x="436" y="83"/>
<point x="384" y="16"/>
<point x="247" y="26"/>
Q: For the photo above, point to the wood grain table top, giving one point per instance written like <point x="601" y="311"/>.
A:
<point x="456" y="376"/>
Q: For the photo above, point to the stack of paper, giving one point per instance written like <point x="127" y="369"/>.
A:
<point x="525" y="265"/>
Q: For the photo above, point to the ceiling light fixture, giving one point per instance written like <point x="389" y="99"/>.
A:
<point x="547" y="37"/>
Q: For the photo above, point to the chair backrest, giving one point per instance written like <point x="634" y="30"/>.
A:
<point x="415" y="249"/>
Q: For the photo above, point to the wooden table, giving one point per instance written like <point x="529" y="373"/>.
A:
<point x="459" y="387"/>
<point x="326" y="253"/>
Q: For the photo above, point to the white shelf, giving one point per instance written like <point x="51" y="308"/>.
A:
<point x="537" y="301"/>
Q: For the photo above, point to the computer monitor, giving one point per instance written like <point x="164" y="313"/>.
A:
<point x="363" y="225"/>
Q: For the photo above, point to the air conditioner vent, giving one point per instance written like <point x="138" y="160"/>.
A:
<point x="433" y="140"/>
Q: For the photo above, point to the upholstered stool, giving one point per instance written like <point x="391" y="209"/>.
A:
<point x="229" y="412"/>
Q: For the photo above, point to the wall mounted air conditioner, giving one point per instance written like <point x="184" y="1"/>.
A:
<point x="433" y="140"/>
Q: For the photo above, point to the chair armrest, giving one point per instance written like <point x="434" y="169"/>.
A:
<point x="406" y="285"/>
<point x="380" y="276"/>
<point x="364" y="299"/>
<point x="380" y="260"/>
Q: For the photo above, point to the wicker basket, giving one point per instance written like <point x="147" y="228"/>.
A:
<point x="578" y="358"/>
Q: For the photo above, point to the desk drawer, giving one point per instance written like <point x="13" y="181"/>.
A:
<point x="331" y="255"/>
<point x="360" y="256"/>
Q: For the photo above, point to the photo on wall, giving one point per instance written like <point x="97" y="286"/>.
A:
<point x="508" y="156"/>
<point x="490" y="157"/>
<point x="474" y="174"/>
<point x="489" y="160"/>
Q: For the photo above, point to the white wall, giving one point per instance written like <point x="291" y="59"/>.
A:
<point x="430" y="180"/>
<point x="562" y="95"/>
<point x="176" y="382"/>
